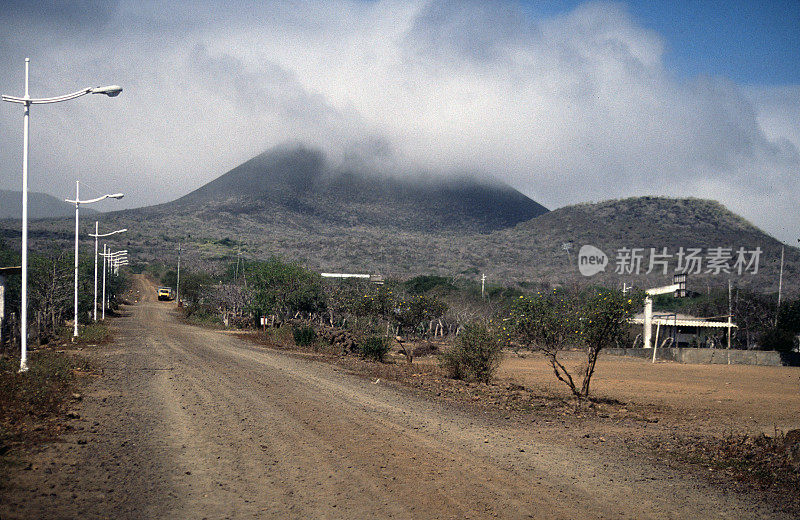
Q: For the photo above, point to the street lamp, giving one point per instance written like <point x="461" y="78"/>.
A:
<point x="78" y="203"/>
<point x="109" y="260"/>
<point x="27" y="101"/>
<point x="97" y="235"/>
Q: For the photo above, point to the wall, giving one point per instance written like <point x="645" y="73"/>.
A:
<point x="707" y="356"/>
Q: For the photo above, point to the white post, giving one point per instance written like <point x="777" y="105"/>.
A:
<point x="648" y="321"/>
<point x="23" y="312"/>
<point x="104" y="280"/>
<point x="27" y="101"/>
<point x="77" y="205"/>
<point x="730" y="316"/>
<point x="655" y="343"/>
<point x="780" y="286"/>
<point x="96" y="232"/>
<point x="483" y="284"/>
<point x="178" y="280"/>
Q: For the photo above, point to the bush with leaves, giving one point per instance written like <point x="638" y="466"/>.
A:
<point x="412" y="314"/>
<point x="476" y="354"/>
<point x="283" y="289"/>
<point x="304" y="335"/>
<point x="373" y="347"/>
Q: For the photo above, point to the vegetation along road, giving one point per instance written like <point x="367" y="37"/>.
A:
<point x="187" y="422"/>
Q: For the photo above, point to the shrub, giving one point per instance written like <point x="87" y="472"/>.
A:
<point x="96" y="332"/>
<point x="36" y="394"/>
<point x="374" y="347"/>
<point x="281" y="337"/>
<point x="777" y="339"/>
<point x="476" y="354"/>
<point x="304" y="335"/>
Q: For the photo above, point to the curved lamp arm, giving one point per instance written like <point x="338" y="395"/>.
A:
<point x="110" y="90"/>
<point x="108" y="234"/>
<point x="98" y="199"/>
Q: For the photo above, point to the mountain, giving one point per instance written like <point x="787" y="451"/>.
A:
<point x="300" y="183"/>
<point x="40" y="205"/>
<point x="292" y="203"/>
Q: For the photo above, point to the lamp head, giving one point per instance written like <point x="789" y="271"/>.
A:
<point x="116" y="195"/>
<point x="110" y="90"/>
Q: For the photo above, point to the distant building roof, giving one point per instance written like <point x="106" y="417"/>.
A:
<point x="681" y="320"/>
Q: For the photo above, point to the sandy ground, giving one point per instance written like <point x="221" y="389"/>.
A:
<point x="190" y="423"/>
<point x="735" y="398"/>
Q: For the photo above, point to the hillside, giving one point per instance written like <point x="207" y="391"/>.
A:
<point x="40" y="205"/>
<point x="292" y="204"/>
<point x="644" y="223"/>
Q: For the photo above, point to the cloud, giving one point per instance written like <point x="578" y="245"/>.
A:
<point x="569" y="108"/>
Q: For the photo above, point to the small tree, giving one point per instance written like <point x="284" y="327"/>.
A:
<point x="283" y="289"/>
<point x="604" y="324"/>
<point x="548" y="322"/>
<point x="553" y="322"/>
<point x="412" y="314"/>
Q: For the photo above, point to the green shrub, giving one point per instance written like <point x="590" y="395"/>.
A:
<point x="374" y="347"/>
<point x="476" y="355"/>
<point x="304" y="336"/>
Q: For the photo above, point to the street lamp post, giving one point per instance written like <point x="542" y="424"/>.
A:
<point x="109" y="262"/>
<point x="97" y="235"/>
<point x="27" y="101"/>
<point x="78" y="203"/>
<point x="105" y="258"/>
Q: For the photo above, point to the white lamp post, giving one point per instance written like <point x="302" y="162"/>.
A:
<point x="105" y="258"/>
<point x="78" y="203"/>
<point x="109" y="259"/>
<point x="97" y="235"/>
<point x="27" y="101"/>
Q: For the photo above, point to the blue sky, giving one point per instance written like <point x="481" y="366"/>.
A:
<point x="566" y="101"/>
<point x="750" y="42"/>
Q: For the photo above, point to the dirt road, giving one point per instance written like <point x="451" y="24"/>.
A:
<point x="192" y="423"/>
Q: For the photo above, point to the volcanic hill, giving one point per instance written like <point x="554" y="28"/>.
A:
<point x="292" y="203"/>
<point x="299" y="184"/>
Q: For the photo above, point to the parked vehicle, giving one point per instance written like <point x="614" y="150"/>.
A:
<point x="166" y="293"/>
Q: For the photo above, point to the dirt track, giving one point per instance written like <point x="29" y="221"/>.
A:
<point x="191" y="423"/>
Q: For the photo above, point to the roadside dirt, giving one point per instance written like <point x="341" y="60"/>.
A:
<point x="187" y="422"/>
<point x="719" y="399"/>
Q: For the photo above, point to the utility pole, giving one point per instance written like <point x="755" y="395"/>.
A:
<point x="105" y="268"/>
<point x="780" y="287"/>
<point x="238" y="255"/>
<point x="483" y="286"/>
<point x="178" y="282"/>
